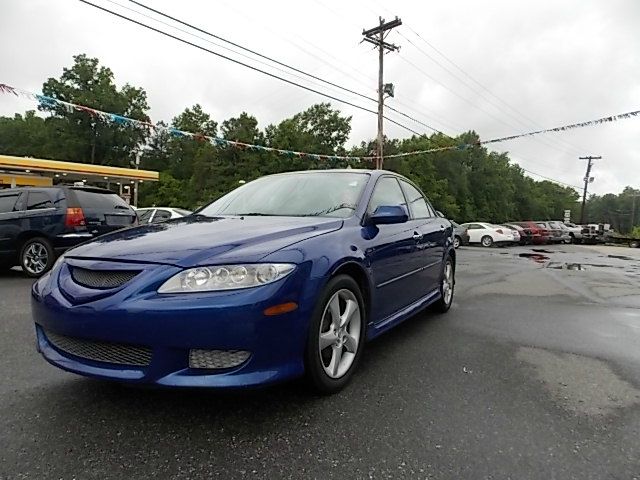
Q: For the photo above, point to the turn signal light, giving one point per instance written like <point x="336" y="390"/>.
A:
<point x="75" y="218"/>
<point x="280" y="309"/>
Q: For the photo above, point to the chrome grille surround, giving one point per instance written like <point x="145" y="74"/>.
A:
<point x="102" y="279"/>
<point x="114" y="353"/>
<point x="217" y="359"/>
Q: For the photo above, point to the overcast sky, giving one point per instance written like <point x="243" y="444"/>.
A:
<point x="545" y="63"/>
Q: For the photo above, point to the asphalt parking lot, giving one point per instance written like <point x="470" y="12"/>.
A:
<point x="534" y="373"/>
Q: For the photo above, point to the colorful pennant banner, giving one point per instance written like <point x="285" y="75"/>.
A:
<point x="223" y="142"/>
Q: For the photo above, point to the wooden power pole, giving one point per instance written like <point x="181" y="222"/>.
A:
<point x="376" y="37"/>
<point x="587" y="180"/>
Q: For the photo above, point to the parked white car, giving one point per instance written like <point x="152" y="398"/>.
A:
<point x="487" y="234"/>
<point x="514" y="230"/>
<point x="159" y="214"/>
<point x="575" y="231"/>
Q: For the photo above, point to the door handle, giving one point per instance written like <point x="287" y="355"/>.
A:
<point x="417" y="236"/>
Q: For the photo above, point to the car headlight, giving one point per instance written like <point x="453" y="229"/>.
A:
<point x="225" y="277"/>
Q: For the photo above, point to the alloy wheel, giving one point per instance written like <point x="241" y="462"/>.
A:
<point x="456" y="242"/>
<point x="339" y="333"/>
<point x="447" y="283"/>
<point x="35" y="258"/>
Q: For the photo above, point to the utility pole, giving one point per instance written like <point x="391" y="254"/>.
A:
<point x="633" y="209"/>
<point x="587" y="180"/>
<point x="376" y="37"/>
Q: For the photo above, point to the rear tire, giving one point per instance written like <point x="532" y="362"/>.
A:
<point x="447" y="285"/>
<point x="486" y="241"/>
<point x="634" y="243"/>
<point x="336" y="336"/>
<point x="457" y="241"/>
<point x="36" y="257"/>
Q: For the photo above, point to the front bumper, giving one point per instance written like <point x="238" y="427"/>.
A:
<point x="170" y="326"/>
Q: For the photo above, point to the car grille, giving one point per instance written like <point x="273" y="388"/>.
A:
<point x="213" y="359"/>
<point x="102" y="278"/>
<point x="116" y="353"/>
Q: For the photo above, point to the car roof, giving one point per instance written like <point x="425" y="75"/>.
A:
<point x="368" y="171"/>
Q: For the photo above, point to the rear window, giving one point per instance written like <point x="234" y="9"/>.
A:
<point x="7" y="202"/>
<point x="144" y="215"/>
<point x="100" y="201"/>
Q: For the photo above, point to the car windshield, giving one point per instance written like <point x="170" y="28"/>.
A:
<point x="330" y="194"/>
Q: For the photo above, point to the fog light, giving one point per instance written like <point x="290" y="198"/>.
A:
<point x="213" y="359"/>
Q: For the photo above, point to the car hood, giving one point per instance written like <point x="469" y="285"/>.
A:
<point x="198" y="240"/>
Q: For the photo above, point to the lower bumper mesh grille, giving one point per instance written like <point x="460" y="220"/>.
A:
<point x="214" y="359"/>
<point x="115" y="353"/>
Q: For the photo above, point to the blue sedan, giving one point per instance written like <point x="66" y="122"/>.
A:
<point x="285" y="276"/>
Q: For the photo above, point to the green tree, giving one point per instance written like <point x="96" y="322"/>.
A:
<point x="84" y="137"/>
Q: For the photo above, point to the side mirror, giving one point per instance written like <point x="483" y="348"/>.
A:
<point x="388" y="214"/>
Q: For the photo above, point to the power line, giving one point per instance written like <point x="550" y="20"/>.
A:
<point x="278" y="62"/>
<point x="548" y="142"/>
<point x="337" y="99"/>
<point x="211" y="42"/>
<point x="466" y="99"/>
<point x="419" y="112"/>
<point x="467" y="75"/>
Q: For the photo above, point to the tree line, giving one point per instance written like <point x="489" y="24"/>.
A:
<point x="471" y="184"/>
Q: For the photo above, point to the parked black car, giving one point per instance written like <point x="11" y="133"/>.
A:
<point x="38" y="224"/>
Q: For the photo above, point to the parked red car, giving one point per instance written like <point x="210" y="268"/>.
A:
<point x="539" y="235"/>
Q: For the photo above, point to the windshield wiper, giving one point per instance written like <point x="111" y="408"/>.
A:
<point x="254" y="214"/>
<point x="326" y="211"/>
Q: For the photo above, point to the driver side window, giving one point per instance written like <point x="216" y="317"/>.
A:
<point x="387" y="192"/>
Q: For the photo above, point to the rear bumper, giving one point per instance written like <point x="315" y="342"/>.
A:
<point x="65" y="241"/>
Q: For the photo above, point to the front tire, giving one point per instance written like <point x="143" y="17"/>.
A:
<point x="336" y="335"/>
<point x="37" y="257"/>
<point x="456" y="242"/>
<point x="447" y="285"/>
<point x="486" y="241"/>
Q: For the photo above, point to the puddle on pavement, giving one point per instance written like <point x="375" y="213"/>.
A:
<point x="620" y="257"/>
<point x="536" y="257"/>
<point x="566" y="266"/>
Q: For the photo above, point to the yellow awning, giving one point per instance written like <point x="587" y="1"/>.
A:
<point x="37" y="165"/>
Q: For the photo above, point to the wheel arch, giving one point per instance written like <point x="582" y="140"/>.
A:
<point x="359" y="274"/>
<point x="24" y="237"/>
